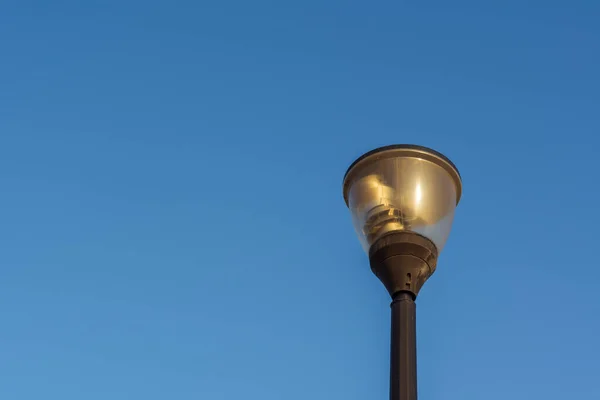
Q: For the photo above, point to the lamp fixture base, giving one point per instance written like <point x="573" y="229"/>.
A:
<point x="403" y="261"/>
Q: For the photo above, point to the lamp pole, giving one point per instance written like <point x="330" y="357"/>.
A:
<point x="402" y="199"/>
<point x="403" y="354"/>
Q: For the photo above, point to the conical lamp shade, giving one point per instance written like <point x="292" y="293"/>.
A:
<point x="402" y="188"/>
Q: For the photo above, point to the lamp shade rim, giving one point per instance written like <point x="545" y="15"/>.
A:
<point x="404" y="150"/>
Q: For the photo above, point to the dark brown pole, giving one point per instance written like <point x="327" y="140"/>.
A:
<point x="403" y="261"/>
<point x="403" y="357"/>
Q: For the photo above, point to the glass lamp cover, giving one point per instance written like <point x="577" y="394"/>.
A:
<point x="403" y="191"/>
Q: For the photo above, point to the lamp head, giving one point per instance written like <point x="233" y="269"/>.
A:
<point x="404" y="192"/>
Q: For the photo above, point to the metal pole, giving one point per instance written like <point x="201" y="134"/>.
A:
<point x="403" y="357"/>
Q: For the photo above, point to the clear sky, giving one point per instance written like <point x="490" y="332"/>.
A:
<point x="171" y="214"/>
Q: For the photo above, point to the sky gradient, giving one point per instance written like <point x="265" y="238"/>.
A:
<point x="171" y="215"/>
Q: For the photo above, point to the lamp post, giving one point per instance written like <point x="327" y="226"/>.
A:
<point x="402" y="200"/>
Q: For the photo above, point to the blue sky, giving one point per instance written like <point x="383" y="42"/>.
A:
<point x="171" y="216"/>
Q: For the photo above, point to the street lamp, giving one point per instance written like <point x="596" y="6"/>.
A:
<point x="402" y="200"/>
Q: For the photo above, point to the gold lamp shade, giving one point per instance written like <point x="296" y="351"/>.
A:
<point x="402" y="188"/>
